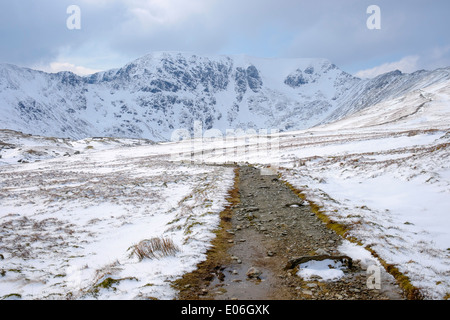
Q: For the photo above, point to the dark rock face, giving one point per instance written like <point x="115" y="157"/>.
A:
<point x="254" y="79"/>
<point x="296" y="79"/>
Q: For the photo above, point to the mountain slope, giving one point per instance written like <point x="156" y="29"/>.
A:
<point x="387" y="87"/>
<point x="421" y="109"/>
<point x="154" y="95"/>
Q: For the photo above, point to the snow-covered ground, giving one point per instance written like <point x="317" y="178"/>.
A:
<point x="385" y="173"/>
<point x="24" y="148"/>
<point x="391" y="188"/>
<point x="394" y="195"/>
<point x="68" y="223"/>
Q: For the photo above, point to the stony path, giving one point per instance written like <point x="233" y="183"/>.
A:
<point x="271" y="226"/>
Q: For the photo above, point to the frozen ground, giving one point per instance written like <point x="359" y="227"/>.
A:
<point x="16" y="147"/>
<point x="68" y="222"/>
<point x="394" y="195"/>
<point x="68" y="225"/>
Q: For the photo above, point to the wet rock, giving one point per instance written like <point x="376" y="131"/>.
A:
<point x="253" y="273"/>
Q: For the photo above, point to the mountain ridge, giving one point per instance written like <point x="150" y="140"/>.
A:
<point x="152" y="96"/>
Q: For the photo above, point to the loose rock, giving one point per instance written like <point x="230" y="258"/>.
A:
<point x="253" y="273"/>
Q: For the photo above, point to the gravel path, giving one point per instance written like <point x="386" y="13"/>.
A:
<point x="270" y="227"/>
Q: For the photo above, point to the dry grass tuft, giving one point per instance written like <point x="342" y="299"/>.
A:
<point x="155" y="248"/>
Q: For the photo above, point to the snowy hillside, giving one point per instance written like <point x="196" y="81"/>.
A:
<point x="157" y="94"/>
<point x="386" y="87"/>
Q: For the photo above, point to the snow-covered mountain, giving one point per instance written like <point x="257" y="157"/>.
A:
<point x="153" y="96"/>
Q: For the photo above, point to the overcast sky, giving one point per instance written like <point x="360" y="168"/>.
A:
<point x="414" y="34"/>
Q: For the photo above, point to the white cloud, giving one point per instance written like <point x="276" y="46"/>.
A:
<point x="55" y="67"/>
<point x="163" y="12"/>
<point x="407" y="65"/>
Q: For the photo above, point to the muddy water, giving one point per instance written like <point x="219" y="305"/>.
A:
<point x="235" y="283"/>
